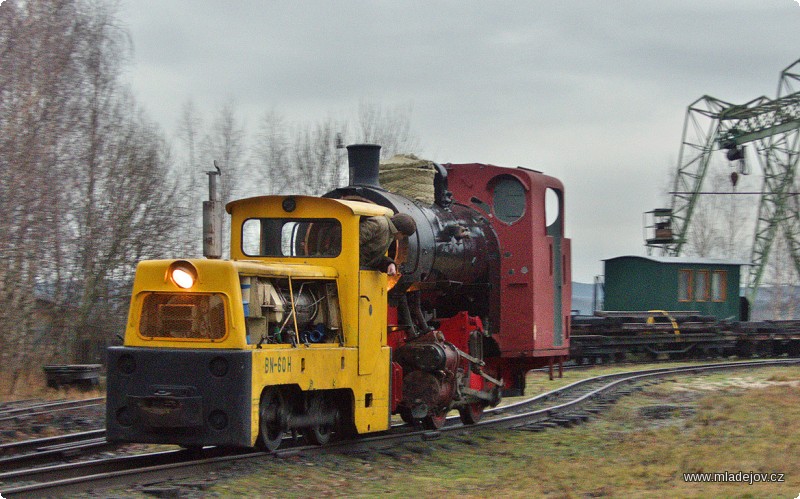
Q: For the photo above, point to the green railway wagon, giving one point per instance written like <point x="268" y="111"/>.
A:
<point x="703" y="285"/>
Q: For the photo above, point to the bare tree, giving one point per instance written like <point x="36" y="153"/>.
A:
<point x="39" y="43"/>
<point x="189" y="130"/>
<point x="272" y="154"/>
<point x="225" y="143"/>
<point x="316" y="162"/>
<point x="391" y="128"/>
<point x="723" y="220"/>
<point x="190" y="178"/>
<point x="309" y="158"/>
<point x="84" y="180"/>
<point x="131" y="215"/>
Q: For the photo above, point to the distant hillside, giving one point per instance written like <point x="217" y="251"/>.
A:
<point x="582" y="298"/>
<point x="776" y="303"/>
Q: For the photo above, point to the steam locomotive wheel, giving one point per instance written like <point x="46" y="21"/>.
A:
<point x="472" y="413"/>
<point x="269" y="417"/>
<point x="434" y="421"/>
<point x="318" y="434"/>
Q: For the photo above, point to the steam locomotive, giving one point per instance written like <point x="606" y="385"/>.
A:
<point x="293" y="335"/>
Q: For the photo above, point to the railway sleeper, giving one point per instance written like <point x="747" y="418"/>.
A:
<point x="535" y="428"/>
<point x="538" y="426"/>
<point x="580" y="416"/>
<point x="565" y="421"/>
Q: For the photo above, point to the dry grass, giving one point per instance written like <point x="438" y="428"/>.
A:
<point x="640" y="448"/>
<point x="31" y="383"/>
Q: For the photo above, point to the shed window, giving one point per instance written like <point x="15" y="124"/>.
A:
<point x="719" y="285"/>
<point x="684" y="285"/>
<point x="702" y="289"/>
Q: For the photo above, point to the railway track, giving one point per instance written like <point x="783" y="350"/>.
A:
<point x="16" y="404"/>
<point x="562" y="407"/>
<point x="15" y="411"/>
<point x="578" y="401"/>
<point x="51" y="450"/>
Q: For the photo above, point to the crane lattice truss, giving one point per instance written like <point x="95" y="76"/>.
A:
<point x="773" y="125"/>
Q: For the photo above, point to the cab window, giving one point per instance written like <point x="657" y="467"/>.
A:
<point x="508" y="200"/>
<point x="291" y="237"/>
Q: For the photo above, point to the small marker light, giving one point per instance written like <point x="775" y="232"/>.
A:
<point x="289" y="204"/>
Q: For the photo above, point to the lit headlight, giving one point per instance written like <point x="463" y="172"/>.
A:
<point x="182" y="278"/>
<point x="183" y="274"/>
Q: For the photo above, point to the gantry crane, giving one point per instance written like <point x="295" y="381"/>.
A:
<point x="773" y="126"/>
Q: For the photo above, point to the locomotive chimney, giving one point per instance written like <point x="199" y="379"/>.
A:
<point x="364" y="161"/>
<point x="212" y="217"/>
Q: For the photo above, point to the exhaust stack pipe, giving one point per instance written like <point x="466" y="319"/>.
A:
<point x="212" y="218"/>
<point x="364" y="161"/>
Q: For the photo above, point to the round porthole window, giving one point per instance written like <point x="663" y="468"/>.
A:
<point x="508" y="199"/>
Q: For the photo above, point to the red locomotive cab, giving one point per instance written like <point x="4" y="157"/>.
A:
<point x="526" y="210"/>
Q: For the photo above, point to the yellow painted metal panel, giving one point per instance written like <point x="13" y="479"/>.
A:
<point x="213" y="276"/>
<point x="324" y="367"/>
<point x="372" y="396"/>
<point x="371" y="318"/>
<point x="299" y="270"/>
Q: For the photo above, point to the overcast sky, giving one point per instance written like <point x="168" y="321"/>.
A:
<point x="592" y="92"/>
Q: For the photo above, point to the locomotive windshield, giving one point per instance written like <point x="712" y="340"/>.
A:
<point x="291" y="237"/>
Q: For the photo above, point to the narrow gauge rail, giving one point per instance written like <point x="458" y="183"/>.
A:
<point x="52" y="450"/>
<point x="578" y="401"/>
<point x="21" y="446"/>
<point x="561" y="407"/>
<point x="39" y="408"/>
<point x="15" y="404"/>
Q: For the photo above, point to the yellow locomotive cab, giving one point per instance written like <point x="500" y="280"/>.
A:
<point x="288" y="334"/>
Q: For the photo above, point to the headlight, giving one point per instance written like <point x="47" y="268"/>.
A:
<point x="183" y="274"/>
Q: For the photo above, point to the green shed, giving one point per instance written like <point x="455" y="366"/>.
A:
<point x="704" y="285"/>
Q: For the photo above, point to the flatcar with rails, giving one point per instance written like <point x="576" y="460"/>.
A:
<point x="676" y="307"/>
<point x="293" y="335"/>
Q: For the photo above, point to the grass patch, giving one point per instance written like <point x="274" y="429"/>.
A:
<point x="32" y="384"/>
<point x="632" y="451"/>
